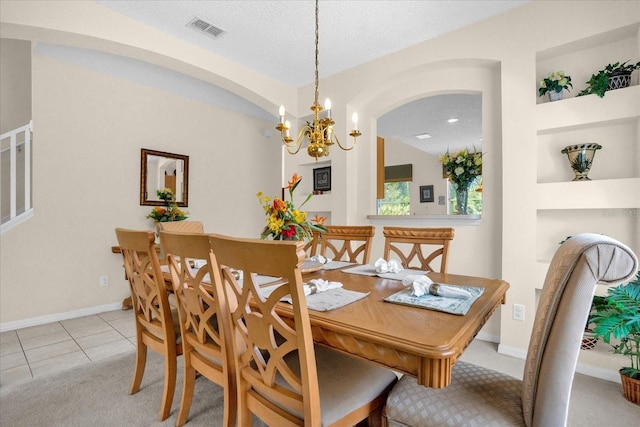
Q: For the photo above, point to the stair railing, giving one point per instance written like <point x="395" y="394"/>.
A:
<point x="17" y="213"/>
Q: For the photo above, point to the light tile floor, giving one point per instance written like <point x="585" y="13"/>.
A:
<point x="44" y="349"/>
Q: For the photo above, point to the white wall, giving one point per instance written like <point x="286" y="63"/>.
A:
<point x="15" y="84"/>
<point x="89" y="128"/>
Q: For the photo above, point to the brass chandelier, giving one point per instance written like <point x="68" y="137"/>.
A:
<point x="319" y="134"/>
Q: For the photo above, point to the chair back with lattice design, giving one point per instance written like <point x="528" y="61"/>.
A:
<point x="348" y="242"/>
<point x="181" y="226"/>
<point x="205" y="333"/>
<point x="275" y="359"/>
<point x="150" y="300"/>
<point x="311" y="247"/>
<point x="418" y="247"/>
<point x="154" y="320"/>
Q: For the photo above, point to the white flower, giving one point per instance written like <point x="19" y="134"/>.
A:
<point x="459" y="170"/>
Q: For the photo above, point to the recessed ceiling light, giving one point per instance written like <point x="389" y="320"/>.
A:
<point x="423" y="136"/>
<point x="452" y="120"/>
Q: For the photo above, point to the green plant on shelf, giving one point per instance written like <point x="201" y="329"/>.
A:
<point x="599" y="83"/>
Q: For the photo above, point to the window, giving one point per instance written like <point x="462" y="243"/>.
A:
<point x="397" y="198"/>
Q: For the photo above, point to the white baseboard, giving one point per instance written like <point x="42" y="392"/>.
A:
<point x="516" y="352"/>
<point x="483" y="336"/>
<point x="56" y="317"/>
<point x="603" y="374"/>
<point x="592" y="371"/>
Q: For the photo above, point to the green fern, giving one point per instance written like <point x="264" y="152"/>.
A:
<point x="619" y="319"/>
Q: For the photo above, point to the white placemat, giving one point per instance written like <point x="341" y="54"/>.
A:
<point x="322" y="301"/>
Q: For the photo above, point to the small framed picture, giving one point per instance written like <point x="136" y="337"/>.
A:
<point x="322" y="179"/>
<point x="426" y="193"/>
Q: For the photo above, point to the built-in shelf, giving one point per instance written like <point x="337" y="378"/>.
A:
<point x="587" y="111"/>
<point x="601" y="194"/>
<point x="319" y="203"/>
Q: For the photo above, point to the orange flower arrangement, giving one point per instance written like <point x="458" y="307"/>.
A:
<point x="285" y="221"/>
<point x="169" y="213"/>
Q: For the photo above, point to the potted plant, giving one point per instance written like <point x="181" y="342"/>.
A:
<point x="613" y="76"/>
<point x="171" y="212"/>
<point x="619" y="319"/>
<point x="554" y="84"/>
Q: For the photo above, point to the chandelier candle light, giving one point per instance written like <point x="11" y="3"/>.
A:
<point x="320" y="134"/>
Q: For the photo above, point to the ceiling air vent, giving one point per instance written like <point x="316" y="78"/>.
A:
<point x="205" y="28"/>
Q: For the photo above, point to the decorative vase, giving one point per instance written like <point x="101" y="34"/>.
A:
<point x="580" y="158"/>
<point x="619" y="81"/>
<point x="555" y="96"/>
<point x="630" y="388"/>
<point x="462" y="196"/>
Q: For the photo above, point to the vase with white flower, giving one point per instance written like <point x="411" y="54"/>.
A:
<point x="462" y="169"/>
<point x="285" y="221"/>
<point x="554" y="85"/>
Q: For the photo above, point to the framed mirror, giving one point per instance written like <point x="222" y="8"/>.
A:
<point x="160" y="170"/>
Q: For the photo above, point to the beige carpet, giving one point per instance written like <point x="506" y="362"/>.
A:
<point x="96" y="395"/>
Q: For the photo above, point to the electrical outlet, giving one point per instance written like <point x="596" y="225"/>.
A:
<point x="518" y="312"/>
<point x="104" y="281"/>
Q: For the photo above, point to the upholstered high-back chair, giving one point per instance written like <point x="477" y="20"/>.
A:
<point x="418" y="247"/>
<point x="181" y="226"/>
<point x="347" y="242"/>
<point x="479" y="396"/>
<point x="282" y="377"/>
<point x="156" y="323"/>
<point x="205" y="333"/>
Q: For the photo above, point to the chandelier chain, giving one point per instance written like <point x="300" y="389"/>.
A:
<point x="318" y="134"/>
<point x="316" y="76"/>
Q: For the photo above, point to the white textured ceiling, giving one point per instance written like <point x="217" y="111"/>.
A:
<point x="276" y="38"/>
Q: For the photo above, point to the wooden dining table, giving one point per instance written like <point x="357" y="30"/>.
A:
<point x="416" y="341"/>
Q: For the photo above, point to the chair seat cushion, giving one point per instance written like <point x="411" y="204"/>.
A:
<point x="476" y="397"/>
<point x="344" y="382"/>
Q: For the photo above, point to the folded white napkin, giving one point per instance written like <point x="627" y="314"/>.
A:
<point x="320" y="259"/>
<point x="421" y="285"/>
<point x="320" y="285"/>
<point x="391" y="266"/>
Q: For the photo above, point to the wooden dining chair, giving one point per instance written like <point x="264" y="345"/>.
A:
<point x="311" y="247"/>
<point x="181" y="226"/>
<point x="156" y="323"/>
<point x="480" y="396"/>
<point x="282" y="378"/>
<point x="205" y="333"/>
<point x="347" y="242"/>
<point x="418" y="247"/>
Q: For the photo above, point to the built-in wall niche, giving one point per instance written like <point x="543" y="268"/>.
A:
<point x="553" y="226"/>
<point x="584" y="57"/>
<point x="619" y="157"/>
<point x="319" y="203"/>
